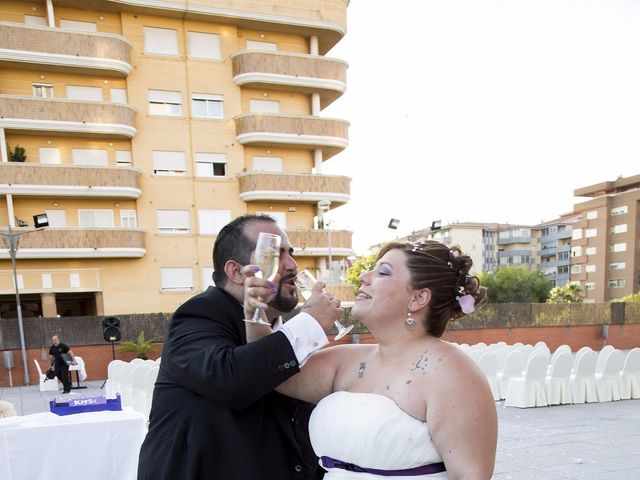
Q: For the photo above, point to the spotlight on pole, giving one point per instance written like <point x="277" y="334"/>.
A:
<point x="393" y="224"/>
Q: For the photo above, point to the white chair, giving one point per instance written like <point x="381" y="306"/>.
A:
<point x="114" y="369"/>
<point x="126" y="381"/>
<point x="608" y="381"/>
<point x="577" y="356"/>
<point x="139" y="387"/>
<point x="514" y="364"/>
<point x="476" y="354"/>
<point x="540" y="344"/>
<point x="557" y="381"/>
<point x="488" y="363"/>
<point x="158" y="360"/>
<point x="136" y="360"/>
<point x="630" y="375"/>
<point x="46" y="385"/>
<point x="582" y="381"/>
<point x="529" y="390"/>
<point x="150" y="383"/>
<point x="603" y="355"/>
<point x="544" y="350"/>
<point x="561" y="349"/>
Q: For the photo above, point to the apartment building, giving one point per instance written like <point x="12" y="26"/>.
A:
<point x="146" y="127"/>
<point x="605" y="241"/>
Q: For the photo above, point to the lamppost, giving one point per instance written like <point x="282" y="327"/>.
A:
<point x="11" y="240"/>
<point x="324" y="206"/>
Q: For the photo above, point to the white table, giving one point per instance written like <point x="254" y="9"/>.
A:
<point x="95" y="445"/>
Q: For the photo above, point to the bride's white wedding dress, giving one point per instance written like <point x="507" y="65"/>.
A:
<point x="370" y="431"/>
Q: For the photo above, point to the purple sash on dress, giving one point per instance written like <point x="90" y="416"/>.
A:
<point x="439" y="467"/>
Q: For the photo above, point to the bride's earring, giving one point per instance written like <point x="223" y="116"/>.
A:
<point x="410" y="321"/>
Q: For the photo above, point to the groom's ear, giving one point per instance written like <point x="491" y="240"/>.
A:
<point x="233" y="271"/>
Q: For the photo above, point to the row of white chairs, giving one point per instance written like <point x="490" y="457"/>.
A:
<point x="134" y="381"/>
<point x="529" y="375"/>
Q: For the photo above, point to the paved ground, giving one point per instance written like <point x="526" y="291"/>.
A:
<point x="570" y="442"/>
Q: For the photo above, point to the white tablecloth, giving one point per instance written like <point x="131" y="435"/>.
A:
<point x="95" y="445"/>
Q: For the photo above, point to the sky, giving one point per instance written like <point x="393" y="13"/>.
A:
<point x="483" y="110"/>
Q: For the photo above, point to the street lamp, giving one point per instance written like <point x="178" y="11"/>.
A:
<point x="11" y="240"/>
<point x="324" y="206"/>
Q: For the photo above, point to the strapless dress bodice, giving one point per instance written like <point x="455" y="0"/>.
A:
<point x="371" y="431"/>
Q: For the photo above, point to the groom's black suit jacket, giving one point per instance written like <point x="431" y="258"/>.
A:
<point x="214" y="413"/>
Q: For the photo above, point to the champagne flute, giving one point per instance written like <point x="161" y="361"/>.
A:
<point x="305" y="281"/>
<point x="266" y="256"/>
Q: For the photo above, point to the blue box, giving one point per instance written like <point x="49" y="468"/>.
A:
<point x="85" y="404"/>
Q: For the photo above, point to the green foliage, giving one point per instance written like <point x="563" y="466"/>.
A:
<point x="362" y="264"/>
<point x="141" y="347"/>
<point x="569" y="293"/>
<point x="516" y="285"/>
<point x="631" y="298"/>
<point x="17" y="155"/>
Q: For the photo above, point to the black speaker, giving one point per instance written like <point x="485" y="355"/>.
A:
<point x="111" y="329"/>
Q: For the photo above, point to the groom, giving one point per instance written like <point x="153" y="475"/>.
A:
<point x="214" y="413"/>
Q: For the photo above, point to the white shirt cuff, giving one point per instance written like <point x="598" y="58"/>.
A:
<point x="304" y="334"/>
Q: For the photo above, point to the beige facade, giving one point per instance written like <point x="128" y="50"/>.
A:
<point x="146" y="127"/>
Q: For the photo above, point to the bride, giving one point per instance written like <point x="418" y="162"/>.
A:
<point x="411" y="405"/>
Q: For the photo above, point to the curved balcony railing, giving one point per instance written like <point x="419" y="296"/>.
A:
<point x="68" y="116"/>
<point x="298" y="187"/>
<point x="55" y="49"/>
<point x="293" y="71"/>
<point x="315" y="243"/>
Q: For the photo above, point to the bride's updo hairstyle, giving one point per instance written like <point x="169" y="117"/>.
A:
<point x="445" y="272"/>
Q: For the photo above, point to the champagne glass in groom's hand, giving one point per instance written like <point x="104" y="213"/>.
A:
<point x="266" y="256"/>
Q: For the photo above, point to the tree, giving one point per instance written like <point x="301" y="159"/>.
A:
<point x="516" y="285"/>
<point x="140" y="347"/>
<point x="569" y="293"/>
<point x="362" y="264"/>
<point x="631" y="298"/>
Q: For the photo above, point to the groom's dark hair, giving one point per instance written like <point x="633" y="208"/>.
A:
<point x="233" y="244"/>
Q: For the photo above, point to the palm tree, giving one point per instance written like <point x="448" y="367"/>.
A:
<point x="140" y="347"/>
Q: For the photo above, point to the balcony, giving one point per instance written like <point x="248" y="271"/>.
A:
<point x="293" y="187"/>
<point x="315" y="243"/>
<point x="51" y="115"/>
<point x="49" y="49"/>
<point x="292" y="72"/>
<point x="271" y="130"/>
<point x="34" y="179"/>
<point x="79" y="243"/>
<point x="62" y="281"/>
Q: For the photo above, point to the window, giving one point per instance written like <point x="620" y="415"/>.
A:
<point x="619" y="247"/>
<point x="78" y="26"/>
<point x="211" y="164"/>
<point x="619" y="210"/>
<point x="264" y="106"/>
<point x="49" y="155"/>
<point x="74" y="280"/>
<point x="267" y="164"/>
<point x="176" y="278"/>
<point x="163" y="41"/>
<point x="204" y="105"/>
<point x="95" y="218"/>
<point x="88" y="156"/>
<point x="203" y="45"/>
<point x="589" y="300"/>
<point x="118" y="95"/>
<point x="90" y="94"/>
<point x="591" y="250"/>
<point x="563" y="256"/>
<point x="592" y="215"/>
<point x="207" y="278"/>
<point x="616" y="283"/>
<point x="590" y="268"/>
<point x="576" y="251"/>
<point x="164" y="102"/>
<point x="563" y="269"/>
<point x="169" y="163"/>
<point x="621" y="228"/>
<point x="56" y="218"/>
<point x="43" y="90"/>
<point x="279" y="217"/>
<point x="590" y="233"/>
<point x="123" y="158"/>
<point x="576" y="234"/>
<point x="615" y="266"/>
<point x="33" y="20"/>
<point x="258" y="45"/>
<point x="174" y="222"/>
<point x="128" y="219"/>
<point x="589" y="285"/>
<point x="212" y="221"/>
<point x="576" y="269"/>
<point x="47" y="281"/>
